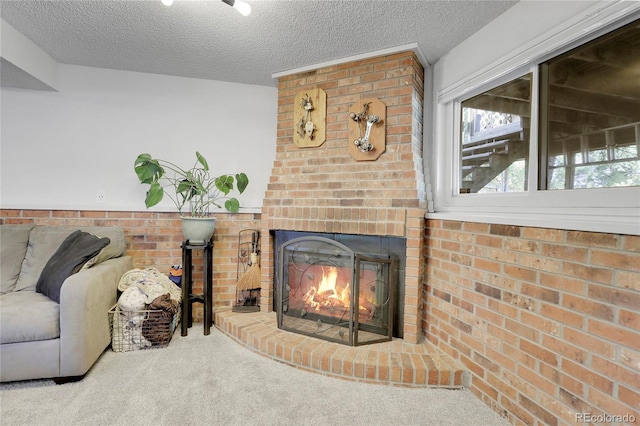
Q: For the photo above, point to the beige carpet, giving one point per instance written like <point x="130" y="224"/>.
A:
<point x="212" y="380"/>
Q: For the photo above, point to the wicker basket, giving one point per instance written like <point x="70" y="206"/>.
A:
<point x="132" y="331"/>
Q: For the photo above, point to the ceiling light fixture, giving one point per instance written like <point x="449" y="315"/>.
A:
<point x="240" y="6"/>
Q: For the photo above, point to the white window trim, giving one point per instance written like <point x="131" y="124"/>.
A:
<point x="614" y="210"/>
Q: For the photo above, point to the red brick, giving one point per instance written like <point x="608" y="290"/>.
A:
<point x="489" y="241"/>
<point x="538" y="411"/>
<point x="478" y="228"/>
<point x="36" y="213"/>
<point x="631" y="243"/>
<point x="487" y="265"/>
<point x="592" y="239"/>
<point x="564" y="349"/>
<point x="488" y="290"/>
<point x="519" y="244"/>
<point x="575" y="254"/>
<point x="608" y="403"/>
<point x="539" y="352"/>
<point x="541" y="293"/>
<point x="629" y="397"/>
<point x="560" y="282"/>
<point x="517" y="410"/>
<point x="589" y="307"/>
<point x="588" y="377"/>
<point x="6" y="213"/>
<point x="543" y="234"/>
<point x="562" y="315"/>
<point x="486" y="389"/>
<point x="615" y="296"/>
<point x="615" y="371"/>
<point x="614" y="333"/>
<point x="626" y="261"/>
<point x="505" y="230"/>
<point x="630" y="280"/>
<point x="65" y="213"/>
<point x="539" y="263"/>
<point x="521" y="273"/>
<point x="571" y="400"/>
<point x="521" y="330"/>
<point x="593" y="344"/>
<point x="589" y="273"/>
<point x="629" y="319"/>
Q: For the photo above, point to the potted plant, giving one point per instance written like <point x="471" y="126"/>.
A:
<point x="193" y="191"/>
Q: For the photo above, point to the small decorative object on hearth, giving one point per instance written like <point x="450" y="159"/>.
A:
<point x="248" y="285"/>
<point x="175" y="275"/>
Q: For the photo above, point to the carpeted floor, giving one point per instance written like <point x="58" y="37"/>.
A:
<point x="212" y="380"/>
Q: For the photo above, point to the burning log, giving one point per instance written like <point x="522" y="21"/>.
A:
<point x="367" y="309"/>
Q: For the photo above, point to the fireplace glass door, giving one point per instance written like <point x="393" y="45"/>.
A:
<point x="328" y="291"/>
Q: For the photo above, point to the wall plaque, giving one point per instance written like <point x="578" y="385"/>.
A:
<point x="310" y="112"/>
<point x="367" y="129"/>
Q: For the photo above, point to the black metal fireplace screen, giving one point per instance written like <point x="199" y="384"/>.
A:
<point x="327" y="290"/>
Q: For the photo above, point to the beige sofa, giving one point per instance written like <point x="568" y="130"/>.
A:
<point x="41" y="338"/>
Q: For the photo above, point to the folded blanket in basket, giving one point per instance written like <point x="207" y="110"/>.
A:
<point x="132" y="300"/>
<point x="150" y="281"/>
<point x="146" y="308"/>
<point x="157" y="328"/>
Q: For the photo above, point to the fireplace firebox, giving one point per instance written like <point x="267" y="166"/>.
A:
<point x="327" y="290"/>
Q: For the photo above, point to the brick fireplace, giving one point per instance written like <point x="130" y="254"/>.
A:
<point x="325" y="190"/>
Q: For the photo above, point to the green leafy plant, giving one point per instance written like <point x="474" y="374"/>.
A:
<point x="193" y="189"/>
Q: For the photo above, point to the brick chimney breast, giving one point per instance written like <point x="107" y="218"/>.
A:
<point x="324" y="189"/>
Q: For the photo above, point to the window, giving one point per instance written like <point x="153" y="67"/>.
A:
<point x="494" y="155"/>
<point x="589" y="122"/>
<point x="590" y="112"/>
<point x="543" y="128"/>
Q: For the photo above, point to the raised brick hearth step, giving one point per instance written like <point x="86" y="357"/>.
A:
<point x="395" y="362"/>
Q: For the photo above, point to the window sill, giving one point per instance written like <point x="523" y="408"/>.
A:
<point x="626" y="223"/>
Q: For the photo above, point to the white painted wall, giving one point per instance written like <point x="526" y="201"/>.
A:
<point x="522" y="26"/>
<point x="59" y="148"/>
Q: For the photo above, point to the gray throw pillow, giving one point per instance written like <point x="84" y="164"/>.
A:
<point x="73" y="253"/>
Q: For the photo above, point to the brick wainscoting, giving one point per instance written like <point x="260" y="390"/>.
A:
<point x="153" y="240"/>
<point x="546" y="321"/>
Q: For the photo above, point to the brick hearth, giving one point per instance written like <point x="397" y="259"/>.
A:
<point x="394" y="363"/>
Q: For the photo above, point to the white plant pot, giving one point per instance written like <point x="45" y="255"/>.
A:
<point x="197" y="230"/>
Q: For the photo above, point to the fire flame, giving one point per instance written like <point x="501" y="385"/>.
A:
<point x="327" y="294"/>
<point x="331" y="297"/>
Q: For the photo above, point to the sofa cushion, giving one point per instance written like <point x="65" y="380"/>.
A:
<point x="27" y="316"/>
<point x="76" y="250"/>
<point x="116" y="248"/>
<point x="13" y="248"/>
<point x="44" y="240"/>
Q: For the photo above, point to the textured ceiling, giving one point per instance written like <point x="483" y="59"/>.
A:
<point x="210" y="40"/>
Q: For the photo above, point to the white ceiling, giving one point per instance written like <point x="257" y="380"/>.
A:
<point x="210" y="40"/>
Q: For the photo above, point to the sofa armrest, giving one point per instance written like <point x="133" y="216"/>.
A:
<point x="85" y="299"/>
